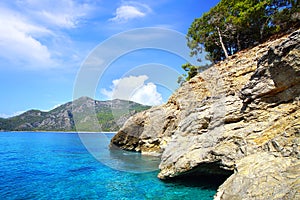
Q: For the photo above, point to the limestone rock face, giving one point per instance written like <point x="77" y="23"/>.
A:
<point x="269" y="177"/>
<point x="241" y="116"/>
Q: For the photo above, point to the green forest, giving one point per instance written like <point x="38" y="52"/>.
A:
<point x="234" y="25"/>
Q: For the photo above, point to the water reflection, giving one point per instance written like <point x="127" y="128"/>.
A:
<point x="116" y="158"/>
<point x="133" y="161"/>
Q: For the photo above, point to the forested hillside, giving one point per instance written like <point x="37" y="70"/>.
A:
<point x="110" y="114"/>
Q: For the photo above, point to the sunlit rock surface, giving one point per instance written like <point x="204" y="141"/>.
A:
<point x="239" y="117"/>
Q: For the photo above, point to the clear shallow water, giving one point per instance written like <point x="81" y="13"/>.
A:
<point x="58" y="166"/>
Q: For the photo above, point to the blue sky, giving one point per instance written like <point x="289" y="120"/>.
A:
<point x="43" y="44"/>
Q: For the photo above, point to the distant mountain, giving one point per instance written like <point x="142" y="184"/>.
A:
<point x="83" y="114"/>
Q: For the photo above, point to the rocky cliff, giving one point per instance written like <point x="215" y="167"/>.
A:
<point x="240" y="118"/>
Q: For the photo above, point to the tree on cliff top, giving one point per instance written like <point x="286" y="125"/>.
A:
<point x="233" y="25"/>
<point x="191" y="72"/>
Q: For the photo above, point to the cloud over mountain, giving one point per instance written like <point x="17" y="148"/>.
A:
<point x="135" y="89"/>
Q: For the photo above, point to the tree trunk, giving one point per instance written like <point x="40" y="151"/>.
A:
<point x="222" y="44"/>
<point x="239" y="43"/>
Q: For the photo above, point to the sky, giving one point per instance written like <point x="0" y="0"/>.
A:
<point x="46" y="46"/>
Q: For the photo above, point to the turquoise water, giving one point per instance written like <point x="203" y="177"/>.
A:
<point x="58" y="166"/>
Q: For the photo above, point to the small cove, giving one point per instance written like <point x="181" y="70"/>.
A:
<point x="46" y="165"/>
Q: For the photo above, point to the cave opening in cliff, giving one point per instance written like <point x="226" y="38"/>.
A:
<point x="208" y="181"/>
<point x="205" y="176"/>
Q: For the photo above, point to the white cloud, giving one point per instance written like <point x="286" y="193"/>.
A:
<point x="124" y="13"/>
<point x="59" y="19"/>
<point x="17" y="41"/>
<point x="3" y="115"/>
<point x="135" y="89"/>
<point x="66" y="13"/>
<point x="31" y="32"/>
<point x="147" y="95"/>
<point x="129" y="11"/>
<point x="123" y="88"/>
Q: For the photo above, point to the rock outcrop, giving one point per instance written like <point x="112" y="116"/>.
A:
<point x="240" y="117"/>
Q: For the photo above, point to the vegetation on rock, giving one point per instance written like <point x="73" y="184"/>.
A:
<point x="234" y="25"/>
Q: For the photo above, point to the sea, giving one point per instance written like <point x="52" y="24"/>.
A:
<point x="59" y="165"/>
